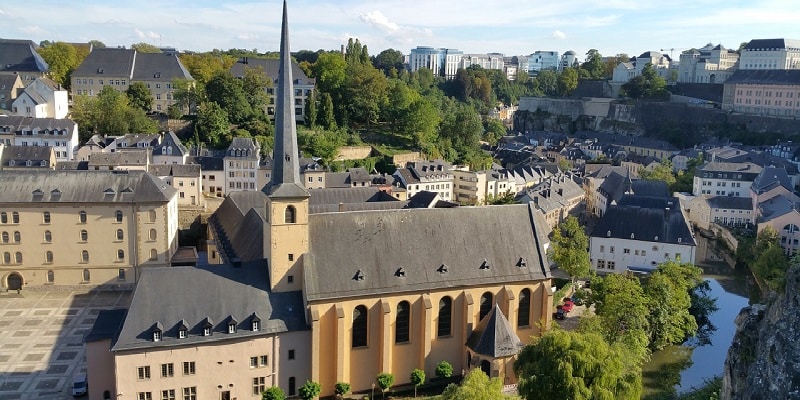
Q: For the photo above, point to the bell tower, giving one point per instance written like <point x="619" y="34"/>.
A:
<point x="286" y="230"/>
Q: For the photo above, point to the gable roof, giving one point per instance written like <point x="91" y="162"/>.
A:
<point x="106" y="326"/>
<point x="21" y="56"/>
<point x="170" y="141"/>
<point x="118" y="158"/>
<point x="107" y="62"/>
<point x="649" y="219"/>
<point x="770" y="178"/>
<point x="22" y="154"/>
<point x="730" y="202"/>
<point x="766" y="76"/>
<point x="270" y="68"/>
<point x="218" y="294"/>
<point x="82" y="187"/>
<point x="438" y="236"/>
<point x="771" y="44"/>
<point x="159" y="67"/>
<point x="176" y="170"/>
<point x="16" y="123"/>
<point x="494" y="336"/>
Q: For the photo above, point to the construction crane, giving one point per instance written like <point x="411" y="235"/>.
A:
<point x="673" y="49"/>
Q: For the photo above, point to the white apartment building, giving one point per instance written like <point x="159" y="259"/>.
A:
<point x="709" y="64"/>
<point x="43" y="98"/>
<point x="241" y="165"/>
<point x="725" y="179"/>
<point x="543" y="60"/>
<point x="60" y="134"/>
<point x="771" y="54"/>
<point x="473" y="187"/>
<point x="442" y="61"/>
<point x="485" y="61"/>
<point x="431" y="176"/>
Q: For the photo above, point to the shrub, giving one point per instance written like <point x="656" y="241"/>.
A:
<point x="273" y="393"/>
<point x="341" y="388"/>
<point x="444" y="369"/>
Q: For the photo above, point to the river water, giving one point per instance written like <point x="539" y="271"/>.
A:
<point x="677" y="369"/>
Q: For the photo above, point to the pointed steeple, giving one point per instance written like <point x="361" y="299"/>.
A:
<point x="285" y="180"/>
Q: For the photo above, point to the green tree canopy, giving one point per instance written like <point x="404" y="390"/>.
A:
<point x="494" y="130"/>
<point x="212" y="123"/>
<point x="389" y="59"/>
<point x="341" y="388"/>
<point x="444" y="369"/>
<point x="110" y="113"/>
<point x="567" y="81"/>
<point x="475" y="386"/>
<point x="62" y="58"/>
<point x="273" y="393"/>
<point x="229" y="93"/>
<point x="329" y="71"/>
<point x="574" y="365"/>
<point x="310" y="390"/>
<point x="385" y="381"/>
<point x="661" y="172"/>
<point x="366" y="91"/>
<point x="668" y="292"/>
<point x="593" y="68"/>
<point x="622" y="307"/>
<point x="417" y="378"/>
<point x="203" y="66"/>
<point x="648" y="85"/>
<point x="142" y="47"/>
<point x="569" y="249"/>
<point x="139" y="96"/>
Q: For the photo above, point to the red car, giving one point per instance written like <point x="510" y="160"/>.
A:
<point x="568" y="305"/>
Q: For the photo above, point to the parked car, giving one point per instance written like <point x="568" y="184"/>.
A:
<point x="560" y="313"/>
<point x="80" y="385"/>
<point x="568" y="305"/>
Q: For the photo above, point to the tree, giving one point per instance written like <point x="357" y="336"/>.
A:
<point x="475" y="386"/>
<point x="96" y="44"/>
<point x="205" y="65"/>
<point x="139" y="96"/>
<point x="229" y="93"/>
<point x="341" y="389"/>
<point x="110" y="113"/>
<point x="661" y="172"/>
<point x="326" y="118"/>
<point x="770" y="267"/>
<point x="366" y="91"/>
<point x="622" y="307"/>
<point x="389" y="59"/>
<point x="273" y="393"/>
<point x="569" y="249"/>
<point x="444" y="369"/>
<point x="567" y="81"/>
<point x="212" y="123"/>
<point x="62" y="58"/>
<point x="547" y="82"/>
<point x="186" y="95"/>
<point x="310" y="390"/>
<point x="311" y="109"/>
<point x="505" y="198"/>
<point x="255" y="83"/>
<point x="142" y="47"/>
<point x="593" y="68"/>
<point x="329" y="71"/>
<point x="648" y="85"/>
<point x="494" y="130"/>
<point x="417" y="378"/>
<point x="385" y="381"/>
<point x="668" y="293"/>
<point x="574" y="365"/>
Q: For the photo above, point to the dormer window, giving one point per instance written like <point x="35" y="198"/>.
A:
<point x="207" y="331"/>
<point x="484" y="264"/>
<point x="231" y="327"/>
<point x="182" y="333"/>
<point x="157" y="335"/>
<point x="522" y="263"/>
<point x="256" y="325"/>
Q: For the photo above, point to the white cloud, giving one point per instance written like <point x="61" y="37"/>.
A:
<point x="378" y="20"/>
<point x="557" y="34"/>
<point x="32" y="30"/>
<point x="146" y="35"/>
<point x="248" y="36"/>
<point x="139" y="34"/>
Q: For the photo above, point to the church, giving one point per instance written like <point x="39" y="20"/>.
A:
<point x="329" y="286"/>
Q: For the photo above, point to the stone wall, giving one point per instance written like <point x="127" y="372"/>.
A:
<point x="353" y="153"/>
<point x="400" y="160"/>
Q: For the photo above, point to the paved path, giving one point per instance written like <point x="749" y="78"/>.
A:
<point x="41" y="340"/>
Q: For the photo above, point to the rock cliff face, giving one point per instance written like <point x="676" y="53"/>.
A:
<point x="764" y="359"/>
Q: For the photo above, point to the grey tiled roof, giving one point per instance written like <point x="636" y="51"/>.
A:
<point x="18" y="123"/>
<point x="243" y="144"/>
<point x="646" y="218"/>
<point x="239" y="225"/>
<point x="730" y="202"/>
<point x="775" y="207"/>
<point x="347" y="195"/>
<point x="770" y="178"/>
<point x="82" y="187"/>
<point x="20" y="55"/>
<point x="190" y="295"/>
<point x="421" y="241"/>
<point x="159" y="67"/>
<point x="20" y="155"/>
<point x="178" y="170"/>
<point x="106" y="326"/>
<point x="494" y="336"/>
<point x="7" y="81"/>
<point x="107" y="62"/>
<point x="170" y="141"/>
<point x="270" y="68"/>
<point x="766" y="76"/>
<point x="127" y="157"/>
<point x="208" y="163"/>
<point x="759" y="44"/>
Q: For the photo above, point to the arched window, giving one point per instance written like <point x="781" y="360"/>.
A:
<point x="82" y="217"/>
<point x="48" y="257"/>
<point x="443" y="325"/>
<point x="524" y="312"/>
<point x="118" y="216"/>
<point x="17" y="237"/>
<point x="153" y="234"/>
<point x="402" y="323"/>
<point x="85" y="256"/>
<point x="51" y="276"/>
<point x="6" y="258"/>
<point x="48" y="236"/>
<point x="152" y="215"/>
<point x="153" y="255"/>
<point x="486" y="305"/>
<point x="120" y="234"/>
<point x="289" y="215"/>
<point x="360" y="326"/>
<point x="18" y="258"/>
<point x="3" y="218"/>
<point x="86" y="275"/>
<point x="5" y="237"/>
<point x="84" y="235"/>
<point x="46" y="217"/>
<point x="15" y="217"/>
<point x="120" y="255"/>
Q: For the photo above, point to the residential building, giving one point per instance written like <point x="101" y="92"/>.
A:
<point x="43" y="98"/>
<point x="485" y="61"/>
<point x="241" y="165"/>
<point x="474" y="187"/>
<point x="724" y="179"/>
<point x="782" y="215"/>
<point x="60" y="134"/>
<point x="721" y="210"/>
<point x="86" y="228"/>
<point x="312" y="173"/>
<point x="639" y="233"/>
<point x="26" y="157"/>
<point x="772" y="182"/>
<point x="170" y="150"/>
<point x="556" y="198"/>
<point x="772" y="92"/>
<point x="432" y="176"/>
<point x="127" y="160"/>
<point x="615" y="186"/>
<point x="303" y="85"/>
<point x="213" y="174"/>
<point x="334" y="296"/>
<point x="443" y="62"/>
<point x="119" y="68"/>
<point x="20" y="57"/>
<point x="186" y="179"/>
<point x="770" y="54"/>
<point x="543" y="60"/>
<point x="709" y="64"/>
<point x="661" y="63"/>
<point x="10" y="87"/>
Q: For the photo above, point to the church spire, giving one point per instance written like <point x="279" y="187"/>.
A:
<point x="285" y="180"/>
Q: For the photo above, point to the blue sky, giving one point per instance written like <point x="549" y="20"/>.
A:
<point x="473" y="26"/>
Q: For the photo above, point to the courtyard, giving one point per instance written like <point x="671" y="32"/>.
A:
<point x="41" y="339"/>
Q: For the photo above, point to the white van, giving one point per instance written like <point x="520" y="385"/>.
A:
<point x="80" y="385"/>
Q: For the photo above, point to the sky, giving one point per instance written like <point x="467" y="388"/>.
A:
<point x="473" y="26"/>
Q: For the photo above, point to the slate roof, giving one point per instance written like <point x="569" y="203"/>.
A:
<point x="72" y="165"/>
<point x="107" y="62"/>
<point x="546" y="195"/>
<point x="243" y="144"/>
<point x="208" y="163"/>
<point x="216" y="293"/>
<point x="270" y="68"/>
<point x="170" y="141"/>
<point x="106" y="326"/>
<point x="348" y="195"/>
<point x="7" y="82"/>
<point x="177" y="170"/>
<point x="641" y="216"/>
<point x="17" y="123"/>
<point x="337" y="180"/>
<point x="117" y="158"/>
<point x="748" y="170"/>
<point x="159" y="67"/>
<point x="775" y="207"/>
<point x="82" y="187"/>
<point x="730" y="202"/>
<point x="437" y="236"/>
<point x="766" y="76"/>
<point x="241" y="220"/>
<point x="770" y="178"/>
<point x="643" y="187"/>
<point x="20" y="155"/>
<point x="764" y="44"/>
<point x="21" y="55"/>
<point x="494" y="336"/>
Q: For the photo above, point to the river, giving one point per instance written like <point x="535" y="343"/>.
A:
<point x="677" y="369"/>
